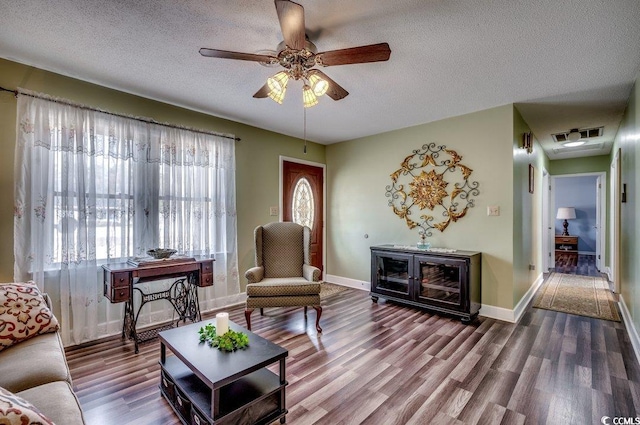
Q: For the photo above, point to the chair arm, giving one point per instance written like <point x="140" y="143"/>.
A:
<point x="311" y="273"/>
<point x="255" y="274"/>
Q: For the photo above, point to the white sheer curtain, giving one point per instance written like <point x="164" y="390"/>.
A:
<point x="92" y="187"/>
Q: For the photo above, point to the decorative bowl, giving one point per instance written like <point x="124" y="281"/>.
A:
<point x="159" y="253"/>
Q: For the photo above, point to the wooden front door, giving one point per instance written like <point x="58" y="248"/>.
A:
<point x="302" y="203"/>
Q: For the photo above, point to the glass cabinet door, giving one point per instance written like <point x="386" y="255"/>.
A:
<point x="393" y="275"/>
<point x="440" y="281"/>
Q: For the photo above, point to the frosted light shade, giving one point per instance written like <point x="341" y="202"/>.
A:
<point x="574" y="135"/>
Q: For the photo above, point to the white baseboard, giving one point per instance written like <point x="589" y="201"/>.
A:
<point x="512" y="316"/>
<point x="217" y="303"/>
<point x="631" y="329"/>
<point x="524" y="301"/>
<point x="607" y="271"/>
<point x="498" y="313"/>
<point x="490" y="311"/>
<point x="345" y="281"/>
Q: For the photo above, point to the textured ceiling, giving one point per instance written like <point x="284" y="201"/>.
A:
<point x="565" y="64"/>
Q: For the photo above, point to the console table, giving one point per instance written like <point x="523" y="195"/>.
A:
<point x="121" y="279"/>
<point x="445" y="282"/>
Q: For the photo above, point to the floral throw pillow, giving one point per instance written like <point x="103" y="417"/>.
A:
<point x="17" y="411"/>
<point x="23" y="313"/>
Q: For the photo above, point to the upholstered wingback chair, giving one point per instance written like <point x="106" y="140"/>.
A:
<point x="283" y="275"/>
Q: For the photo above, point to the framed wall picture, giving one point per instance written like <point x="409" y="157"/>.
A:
<point x="531" y="178"/>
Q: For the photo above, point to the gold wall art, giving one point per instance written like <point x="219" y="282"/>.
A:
<point x="431" y="189"/>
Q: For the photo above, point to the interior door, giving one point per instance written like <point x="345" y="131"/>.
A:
<point x="598" y="222"/>
<point x="302" y="202"/>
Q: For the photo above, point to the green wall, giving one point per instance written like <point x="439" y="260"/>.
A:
<point x="628" y="141"/>
<point x="358" y="172"/>
<point x="527" y="210"/>
<point x="588" y="164"/>
<point x="257" y="154"/>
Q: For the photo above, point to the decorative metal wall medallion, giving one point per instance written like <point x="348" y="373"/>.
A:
<point x="434" y="184"/>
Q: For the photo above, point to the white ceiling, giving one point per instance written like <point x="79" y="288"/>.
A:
<point x="564" y="63"/>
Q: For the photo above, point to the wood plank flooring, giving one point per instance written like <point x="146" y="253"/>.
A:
<point x="387" y="364"/>
<point x="586" y="265"/>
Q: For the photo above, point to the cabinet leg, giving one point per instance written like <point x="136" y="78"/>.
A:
<point x="374" y="299"/>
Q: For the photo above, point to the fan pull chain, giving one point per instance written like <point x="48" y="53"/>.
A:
<point x="305" y="130"/>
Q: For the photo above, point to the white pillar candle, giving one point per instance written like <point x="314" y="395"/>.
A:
<point x="222" y="323"/>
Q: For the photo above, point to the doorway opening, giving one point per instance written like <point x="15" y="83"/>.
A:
<point x="579" y="202"/>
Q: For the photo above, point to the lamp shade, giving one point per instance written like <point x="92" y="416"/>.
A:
<point x="278" y="96"/>
<point x="318" y="85"/>
<point x="568" y="213"/>
<point x="278" y="83"/>
<point x="309" y="99"/>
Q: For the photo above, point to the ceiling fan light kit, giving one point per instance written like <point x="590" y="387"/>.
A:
<point x="298" y="55"/>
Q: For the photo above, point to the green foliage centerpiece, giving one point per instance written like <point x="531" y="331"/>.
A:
<point x="229" y="341"/>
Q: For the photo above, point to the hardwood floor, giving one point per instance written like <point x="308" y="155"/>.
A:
<point x="387" y="364"/>
<point x="586" y="265"/>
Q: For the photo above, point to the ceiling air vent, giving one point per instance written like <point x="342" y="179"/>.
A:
<point x="586" y="134"/>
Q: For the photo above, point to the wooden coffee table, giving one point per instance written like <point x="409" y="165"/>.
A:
<point x="207" y="386"/>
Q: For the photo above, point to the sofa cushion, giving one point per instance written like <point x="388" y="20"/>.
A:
<point x="15" y="410"/>
<point x="33" y="362"/>
<point x="57" y="401"/>
<point x="288" y="301"/>
<point x="23" y="314"/>
<point x="283" y="286"/>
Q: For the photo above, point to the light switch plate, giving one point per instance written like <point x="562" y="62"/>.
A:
<point x="493" y="210"/>
<point x="273" y="211"/>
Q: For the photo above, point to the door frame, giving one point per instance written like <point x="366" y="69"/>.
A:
<point x="615" y="178"/>
<point x="282" y="159"/>
<point x="548" y="232"/>
<point x="601" y="246"/>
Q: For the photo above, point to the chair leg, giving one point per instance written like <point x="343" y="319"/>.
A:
<point x="318" y="310"/>
<point x="305" y="311"/>
<point x="262" y="312"/>
<point x="247" y="316"/>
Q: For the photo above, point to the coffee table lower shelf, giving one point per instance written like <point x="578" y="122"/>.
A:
<point x="252" y="399"/>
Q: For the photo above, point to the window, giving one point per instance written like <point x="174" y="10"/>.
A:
<point x="302" y="207"/>
<point x="93" y="187"/>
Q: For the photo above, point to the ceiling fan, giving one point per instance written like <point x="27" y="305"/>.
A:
<point x="298" y="55"/>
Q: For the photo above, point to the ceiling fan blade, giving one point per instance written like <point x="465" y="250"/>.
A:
<point x="371" y="53"/>
<point x="225" y="54"/>
<point x="335" y="91"/>
<point x="263" y="92"/>
<point x="291" y="17"/>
